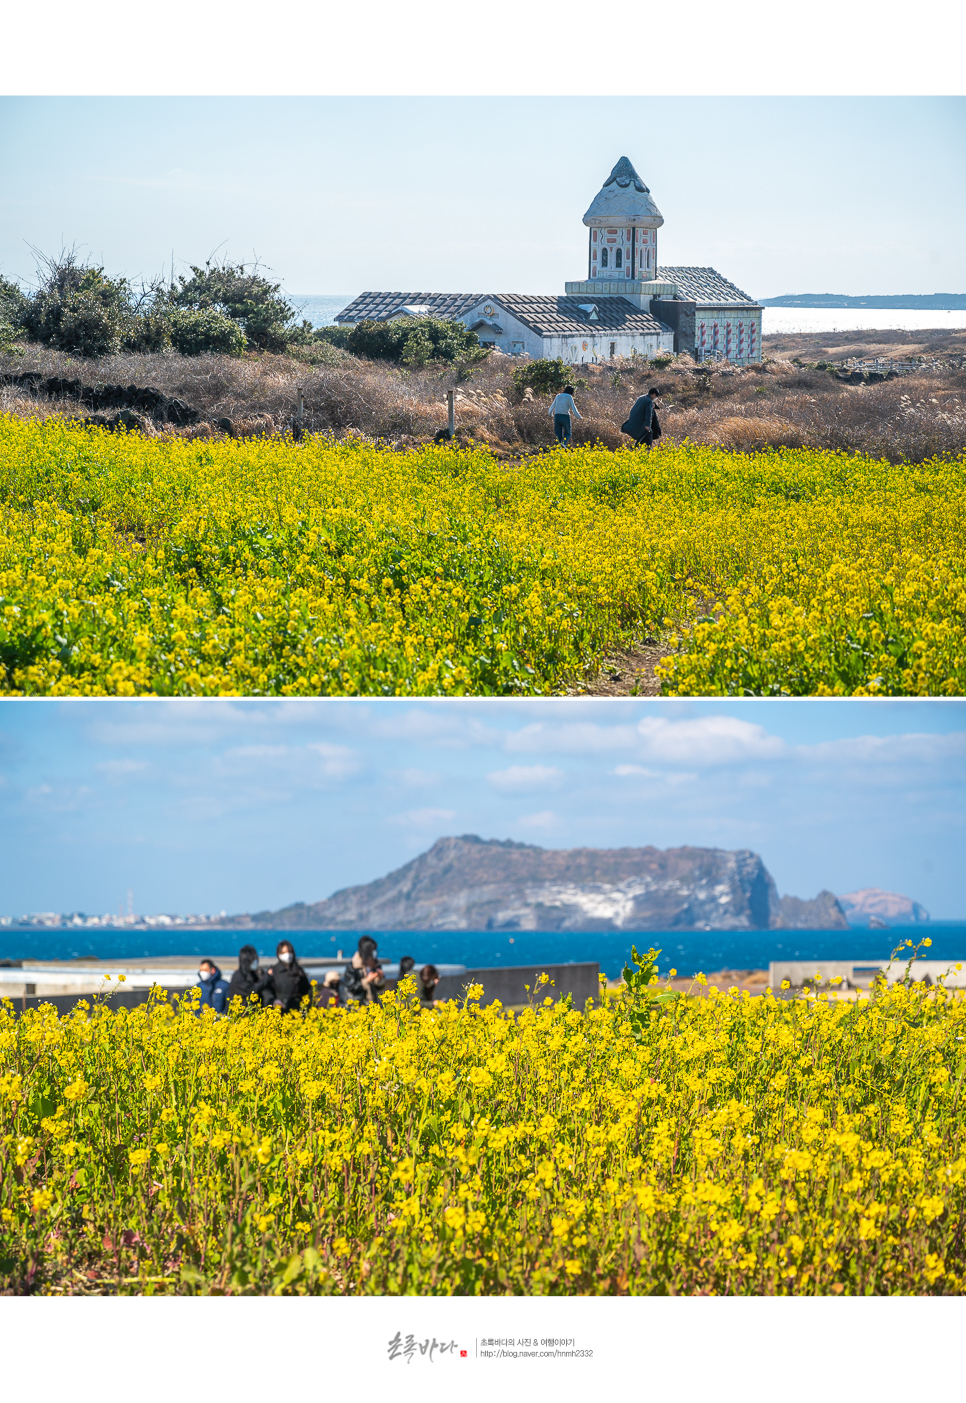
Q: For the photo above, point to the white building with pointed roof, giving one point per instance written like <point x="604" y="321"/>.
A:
<point x="628" y="305"/>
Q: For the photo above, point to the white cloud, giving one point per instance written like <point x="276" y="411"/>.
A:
<point x="454" y="727"/>
<point x="301" y="764"/>
<point x="121" y="767"/>
<point x="422" y="818"/>
<point x="210" y="720"/>
<point x="707" y="740"/>
<point x="623" y="770"/>
<point x="572" y="738"/>
<point x="522" y="777"/>
<point x="546" y="818"/>
<point x="911" y="747"/>
<point x="415" y="778"/>
<point x="338" y="761"/>
<point x="257" y="752"/>
<point x="58" y="798"/>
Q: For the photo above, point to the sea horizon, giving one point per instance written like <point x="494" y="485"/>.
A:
<point x="687" y="951"/>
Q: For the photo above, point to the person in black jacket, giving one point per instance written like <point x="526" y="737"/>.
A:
<point x="428" y="979"/>
<point x="363" y="978"/>
<point x="246" y="976"/>
<point x="642" y="424"/>
<point x="285" y="982"/>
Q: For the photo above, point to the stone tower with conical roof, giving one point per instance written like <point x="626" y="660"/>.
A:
<point x="623" y="222"/>
<point x="622" y="225"/>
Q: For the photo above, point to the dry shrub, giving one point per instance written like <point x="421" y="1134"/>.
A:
<point x="738" y="431"/>
<point x="910" y="419"/>
<point x="259" y="426"/>
<point x="599" y="431"/>
<point x="202" y="430"/>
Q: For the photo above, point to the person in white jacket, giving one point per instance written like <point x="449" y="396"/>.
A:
<point x="560" y="412"/>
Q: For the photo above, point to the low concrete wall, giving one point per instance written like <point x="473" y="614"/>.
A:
<point x="509" y="984"/>
<point x="859" y="974"/>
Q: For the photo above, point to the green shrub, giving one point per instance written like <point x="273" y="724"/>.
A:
<point x="543" y="377"/>
<point x="319" y="353"/>
<point x="415" y="341"/>
<point x="8" y="335"/>
<point x="334" y="335"/>
<point x="239" y="291"/>
<point x="77" y="308"/>
<point x="661" y="362"/>
<point x="194" y="332"/>
<point x="148" y="331"/>
<point x="86" y="327"/>
<point x="13" y="306"/>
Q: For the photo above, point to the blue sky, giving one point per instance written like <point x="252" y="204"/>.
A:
<point x="339" y="194"/>
<point x="246" y="805"/>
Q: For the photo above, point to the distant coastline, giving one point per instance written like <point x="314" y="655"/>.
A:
<point x="902" y="302"/>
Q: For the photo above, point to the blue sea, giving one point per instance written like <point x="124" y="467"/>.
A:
<point x="686" y="951"/>
<point x="321" y="309"/>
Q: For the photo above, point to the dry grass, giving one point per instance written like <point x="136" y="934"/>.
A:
<point x="778" y="404"/>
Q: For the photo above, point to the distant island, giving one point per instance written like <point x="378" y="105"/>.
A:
<point x="471" y="883"/>
<point x="903" y="302"/>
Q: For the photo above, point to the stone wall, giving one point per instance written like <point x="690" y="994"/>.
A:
<point x="679" y="316"/>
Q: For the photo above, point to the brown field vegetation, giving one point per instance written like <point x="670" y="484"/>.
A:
<point x="781" y="403"/>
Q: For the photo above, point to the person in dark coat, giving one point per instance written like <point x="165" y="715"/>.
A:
<point x="642" y="422"/>
<point x="214" y="989"/>
<point x="428" y="979"/>
<point x="363" y="978"/>
<point x="285" y="982"/>
<point x="246" y="976"/>
<point x="330" y="991"/>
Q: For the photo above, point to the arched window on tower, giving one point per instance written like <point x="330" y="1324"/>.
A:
<point x="618" y="258"/>
<point x="603" y="257"/>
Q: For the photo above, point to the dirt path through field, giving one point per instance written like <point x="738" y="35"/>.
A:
<point x="625" y="673"/>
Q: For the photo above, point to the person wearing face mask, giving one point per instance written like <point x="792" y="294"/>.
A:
<point x="246" y="976"/>
<point x="285" y="982"/>
<point x="214" y="989"/>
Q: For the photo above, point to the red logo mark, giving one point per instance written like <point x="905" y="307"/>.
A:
<point x="462" y="1354"/>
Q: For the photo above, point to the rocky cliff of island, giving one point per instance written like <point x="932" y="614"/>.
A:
<point x="873" y="904"/>
<point x="471" y="883"/>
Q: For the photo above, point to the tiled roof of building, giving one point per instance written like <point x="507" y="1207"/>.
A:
<point x="703" y="285"/>
<point x="378" y="306"/>
<point x="564" y="316"/>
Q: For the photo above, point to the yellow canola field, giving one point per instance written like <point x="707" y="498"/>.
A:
<point x="725" y="1144"/>
<point x="264" y="567"/>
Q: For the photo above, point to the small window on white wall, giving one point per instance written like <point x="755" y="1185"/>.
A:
<point x="618" y="259"/>
<point x="603" y="258"/>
